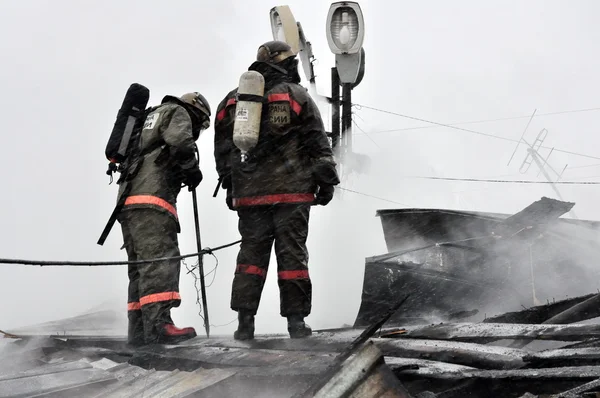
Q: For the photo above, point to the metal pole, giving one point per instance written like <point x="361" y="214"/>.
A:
<point x="335" y="105"/>
<point x="347" y="117"/>
<point x="200" y="264"/>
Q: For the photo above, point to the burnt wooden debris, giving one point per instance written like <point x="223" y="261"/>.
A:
<point x="538" y="314"/>
<point x="460" y="327"/>
<point x="474" y="332"/>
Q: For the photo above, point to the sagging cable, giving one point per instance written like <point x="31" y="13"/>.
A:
<point x="43" y="263"/>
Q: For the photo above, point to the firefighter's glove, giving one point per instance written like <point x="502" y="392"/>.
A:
<point x="193" y="179"/>
<point x="324" y="195"/>
<point x="229" y="200"/>
<point x="226" y="182"/>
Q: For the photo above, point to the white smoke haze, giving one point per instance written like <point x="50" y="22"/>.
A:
<point x="66" y="67"/>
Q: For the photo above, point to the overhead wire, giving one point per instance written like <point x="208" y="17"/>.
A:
<point x="372" y="196"/>
<point x="472" y="131"/>
<point x="509" y="181"/>
<point x="486" y="120"/>
<point x="43" y="263"/>
<point x="365" y="133"/>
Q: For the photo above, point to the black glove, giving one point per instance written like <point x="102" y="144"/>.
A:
<point x="226" y="182"/>
<point x="193" y="179"/>
<point x="324" y="195"/>
<point x="229" y="200"/>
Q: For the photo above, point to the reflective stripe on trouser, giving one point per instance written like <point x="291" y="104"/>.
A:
<point x="153" y="287"/>
<point x="287" y="226"/>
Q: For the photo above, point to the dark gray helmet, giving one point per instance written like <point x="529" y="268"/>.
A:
<point x="200" y="103"/>
<point x="274" y="52"/>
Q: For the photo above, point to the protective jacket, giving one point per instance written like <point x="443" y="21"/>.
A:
<point x="293" y="154"/>
<point x="167" y="155"/>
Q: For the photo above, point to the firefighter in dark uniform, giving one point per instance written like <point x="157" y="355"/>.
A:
<point x="290" y="168"/>
<point x="149" y="219"/>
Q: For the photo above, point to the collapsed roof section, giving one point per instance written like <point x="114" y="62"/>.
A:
<point x="462" y="265"/>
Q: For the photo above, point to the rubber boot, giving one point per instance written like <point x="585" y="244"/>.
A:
<point x="135" y="330"/>
<point x="297" y="328"/>
<point x="245" y="330"/>
<point x="171" y="334"/>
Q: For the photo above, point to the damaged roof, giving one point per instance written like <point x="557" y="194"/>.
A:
<point x="436" y="360"/>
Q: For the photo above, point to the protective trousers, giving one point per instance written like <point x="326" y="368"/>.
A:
<point x="260" y="226"/>
<point x="153" y="287"/>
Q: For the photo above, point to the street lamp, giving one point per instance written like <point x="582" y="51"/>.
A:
<point x="345" y="35"/>
<point x="345" y="27"/>
<point x="284" y="27"/>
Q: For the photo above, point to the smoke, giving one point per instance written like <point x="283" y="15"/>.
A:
<point x="493" y="76"/>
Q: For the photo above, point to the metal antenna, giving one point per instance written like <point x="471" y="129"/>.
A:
<point x="522" y="136"/>
<point x="534" y="156"/>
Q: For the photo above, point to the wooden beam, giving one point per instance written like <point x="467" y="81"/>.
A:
<point x="538" y="314"/>
<point x="468" y="354"/>
<point x="485" y="331"/>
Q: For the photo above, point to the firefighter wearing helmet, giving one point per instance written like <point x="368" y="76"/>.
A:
<point x="149" y="222"/>
<point x="273" y="182"/>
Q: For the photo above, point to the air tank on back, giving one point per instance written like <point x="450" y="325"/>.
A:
<point x="248" y="111"/>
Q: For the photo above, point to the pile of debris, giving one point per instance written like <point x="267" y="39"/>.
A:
<point x="457" y="264"/>
<point x="454" y="266"/>
<point x="537" y="352"/>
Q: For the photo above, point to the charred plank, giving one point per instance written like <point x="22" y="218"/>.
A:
<point x="468" y="354"/>
<point x="575" y="392"/>
<point x="335" y="368"/>
<point x="485" y="331"/>
<point x="587" y="309"/>
<point x="563" y="357"/>
<point x="571" y="373"/>
<point x="538" y="314"/>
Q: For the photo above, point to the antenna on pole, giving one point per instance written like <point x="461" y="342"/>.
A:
<point x="522" y="136"/>
<point x="533" y="150"/>
<point x="533" y="156"/>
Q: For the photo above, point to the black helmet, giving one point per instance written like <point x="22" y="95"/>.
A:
<point x="274" y="52"/>
<point x="198" y="101"/>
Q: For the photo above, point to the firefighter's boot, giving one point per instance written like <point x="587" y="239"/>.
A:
<point x="171" y="334"/>
<point x="245" y="330"/>
<point x="297" y="328"/>
<point x="135" y="330"/>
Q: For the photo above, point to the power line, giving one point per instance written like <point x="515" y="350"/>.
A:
<point x="486" y="120"/>
<point x="42" y="263"/>
<point x="511" y="181"/>
<point x="438" y="124"/>
<point x="581" y="167"/>
<point x="365" y="133"/>
<point x="471" y="131"/>
<point x="372" y="196"/>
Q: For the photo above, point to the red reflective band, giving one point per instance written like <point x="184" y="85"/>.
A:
<point x="286" y="97"/>
<point x="158" y="297"/>
<point x="287" y="275"/>
<point x="151" y="200"/>
<point x="274" y="199"/>
<point x="223" y="112"/>
<point x="134" y="306"/>
<point x="251" y="269"/>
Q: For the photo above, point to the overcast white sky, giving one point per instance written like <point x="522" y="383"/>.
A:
<point x="66" y="66"/>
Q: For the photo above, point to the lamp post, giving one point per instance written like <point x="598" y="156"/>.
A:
<point x="284" y="27"/>
<point x="345" y="35"/>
